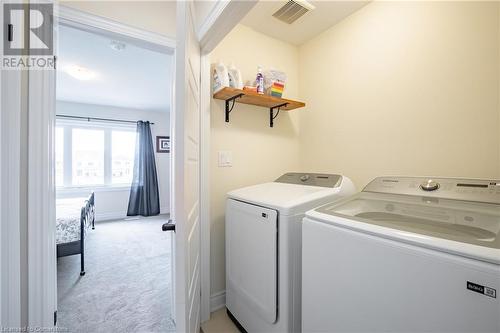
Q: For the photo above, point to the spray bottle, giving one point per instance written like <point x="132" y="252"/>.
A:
<point x="259" y="81"/>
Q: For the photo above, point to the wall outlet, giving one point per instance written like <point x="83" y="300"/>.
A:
<point x="225" y="159"/>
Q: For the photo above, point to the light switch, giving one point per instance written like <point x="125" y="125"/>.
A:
<point x="225" y="159"/>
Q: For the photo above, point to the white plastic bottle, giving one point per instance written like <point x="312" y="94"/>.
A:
<point x="235" y="79"/>
<point x="221" y="76"/>
<point x="259" y="81"/>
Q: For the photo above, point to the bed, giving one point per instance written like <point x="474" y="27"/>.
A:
<point x="74" y="216"/>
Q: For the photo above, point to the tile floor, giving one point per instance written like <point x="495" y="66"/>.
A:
<point x="219" y="323"/>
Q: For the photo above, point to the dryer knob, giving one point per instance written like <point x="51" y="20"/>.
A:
<point x="429" y="185"/>
<point x="304" y="178"/>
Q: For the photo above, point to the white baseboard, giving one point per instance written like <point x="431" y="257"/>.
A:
<point x="165" y="210"/>
<point x="109" y="216"/>
<point x="121" y="214"/>
<point x="217" y="301"/>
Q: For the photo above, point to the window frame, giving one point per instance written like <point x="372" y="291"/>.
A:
<point x="107" y="127"/>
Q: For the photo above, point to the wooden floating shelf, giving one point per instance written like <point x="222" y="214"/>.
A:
<point x="253" y="98"/>
<point x="233" y="95"/>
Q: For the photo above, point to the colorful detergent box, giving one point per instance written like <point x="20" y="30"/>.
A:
<point x="277" y="89"/>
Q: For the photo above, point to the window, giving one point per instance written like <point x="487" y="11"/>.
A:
<point x="88" y="157"/>
<point x="94" y="154"/>
<point x="59" y="156"/>
<point x="122" y="156"/>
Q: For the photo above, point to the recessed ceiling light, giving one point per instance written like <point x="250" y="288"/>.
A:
<point x="117" y="46"/>
<point x="80" y="73"/>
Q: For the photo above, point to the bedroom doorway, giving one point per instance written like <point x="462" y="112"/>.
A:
<point x="112" y="175"/>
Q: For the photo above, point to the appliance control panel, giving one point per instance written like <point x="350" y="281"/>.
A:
<point x="479" y="190"/>
<point x="311" y="179"/>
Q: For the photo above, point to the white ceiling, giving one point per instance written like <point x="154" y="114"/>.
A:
<point x="135" y="77"/>
<point x="326" y="14"/>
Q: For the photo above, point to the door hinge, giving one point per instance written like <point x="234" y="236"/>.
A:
<point x="10" y="32"/>
<point x="55" y="318"/>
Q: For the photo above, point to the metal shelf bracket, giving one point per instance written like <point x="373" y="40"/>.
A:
<point x="273" y="116"/>
<point x="229" y="109"/>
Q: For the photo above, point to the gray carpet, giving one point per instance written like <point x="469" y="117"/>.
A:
<point x="127" y="285"/>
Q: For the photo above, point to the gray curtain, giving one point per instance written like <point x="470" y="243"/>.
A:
<point x="144" y="199"/>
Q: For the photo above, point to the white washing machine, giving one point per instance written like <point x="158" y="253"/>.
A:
<point x="263" y="241"/>
<point x="407" y="254"/>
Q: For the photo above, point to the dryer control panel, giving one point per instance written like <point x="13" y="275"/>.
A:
<point x="311" y="179"/>
<point x="478" y="190"/>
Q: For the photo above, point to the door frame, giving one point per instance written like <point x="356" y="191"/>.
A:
<point x="93" y="23"/>
<point x="42" y="292"/>
<point x="12" y="183"/>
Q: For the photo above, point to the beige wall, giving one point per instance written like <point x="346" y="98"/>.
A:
<point x="403" y="88"/>
<point x="154" y="16"/>
<point x="260" y="153"/>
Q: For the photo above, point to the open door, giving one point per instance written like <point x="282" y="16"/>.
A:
<point x="186" y="172"/>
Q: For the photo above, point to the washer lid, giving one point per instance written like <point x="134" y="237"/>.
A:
<point x="289" y="199"/>
<point x="433" y="221"/>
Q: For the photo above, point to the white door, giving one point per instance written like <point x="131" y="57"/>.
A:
<point x="186" y="172"/>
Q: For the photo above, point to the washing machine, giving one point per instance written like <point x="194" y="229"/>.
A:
<point x="407" y="254"/>
<point x="263" y="242"/>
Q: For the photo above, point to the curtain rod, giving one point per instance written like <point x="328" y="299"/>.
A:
<point x="99" y="119"/>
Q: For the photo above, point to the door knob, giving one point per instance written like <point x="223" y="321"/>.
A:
<point x="169" y="226"/>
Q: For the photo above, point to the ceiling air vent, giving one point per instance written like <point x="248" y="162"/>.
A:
<point x="293" y="10"/>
